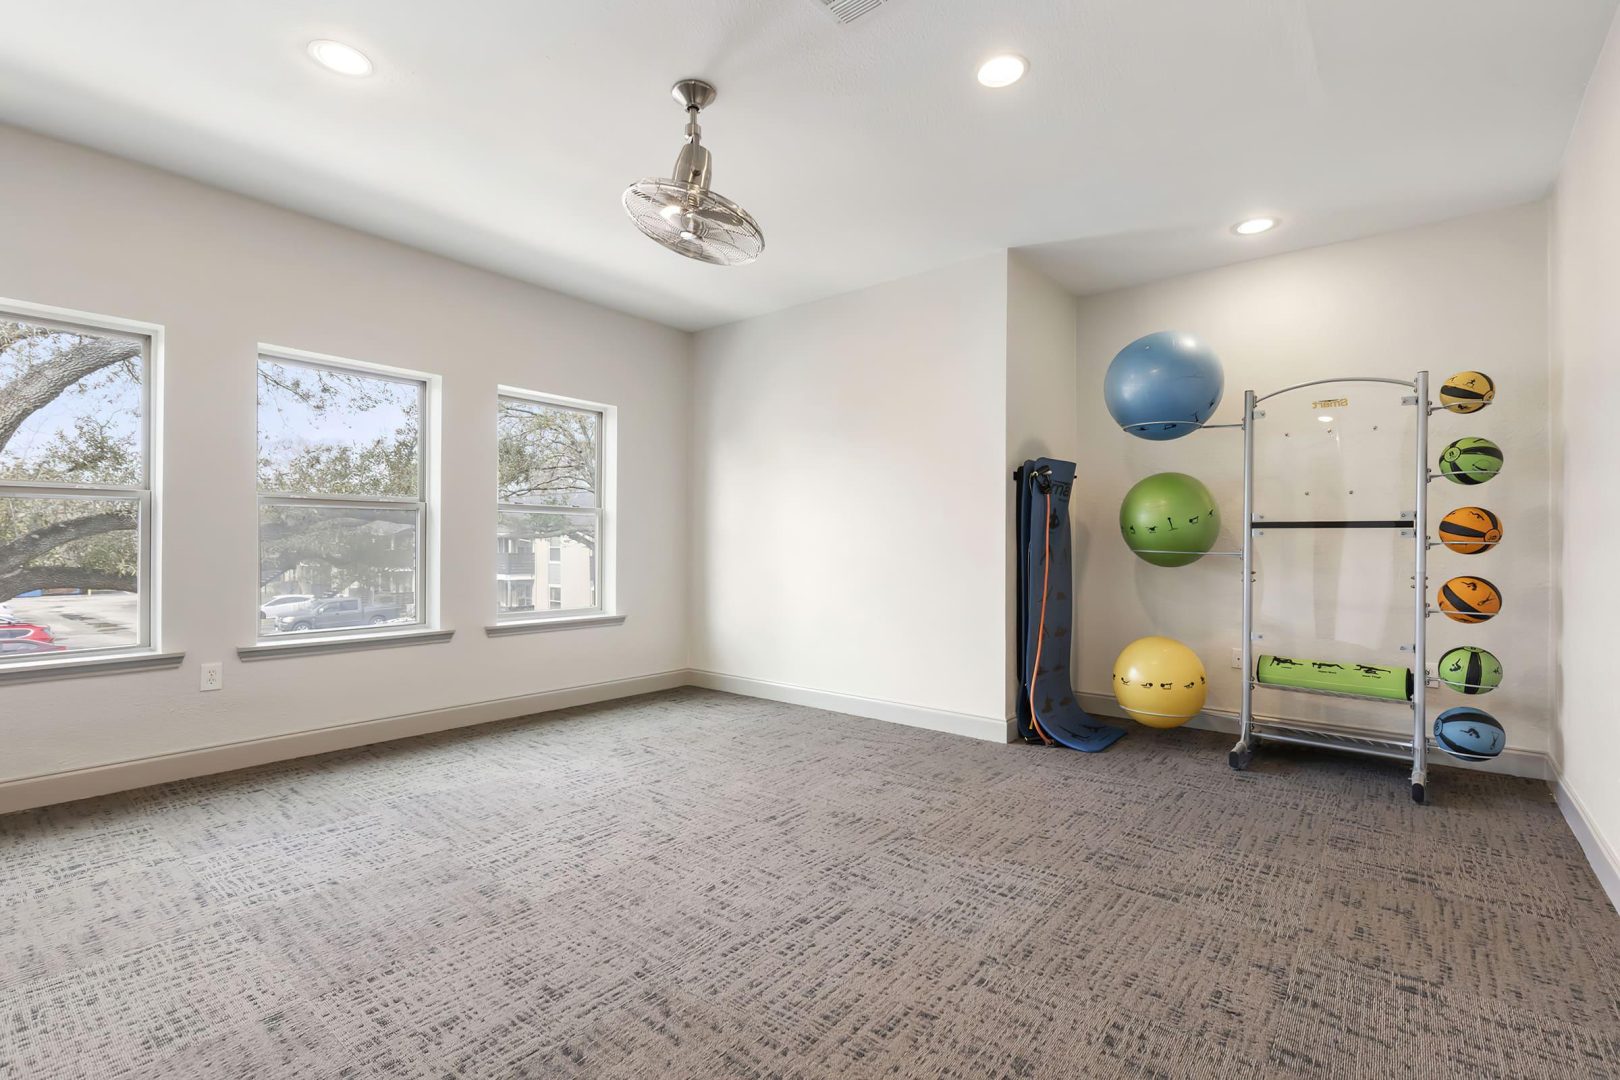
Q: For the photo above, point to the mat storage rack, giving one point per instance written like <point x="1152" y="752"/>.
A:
<point x="1254" y="733"/>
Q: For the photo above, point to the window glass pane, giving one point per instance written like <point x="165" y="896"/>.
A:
<point x="69" y="572"/>
<point x="325" y="432"/>
<point x="547" y="454"/>
<point x="570" y="581"/>
<point x="70" y="406"/>
<point x="336" y="568"/>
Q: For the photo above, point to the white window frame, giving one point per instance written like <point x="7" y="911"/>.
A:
<point x="604" y="511"/>
<point x="147" y="527"/>
<point x="425" y="505"/>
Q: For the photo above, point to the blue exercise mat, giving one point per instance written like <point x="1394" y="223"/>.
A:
<point x="1047" y="709"/>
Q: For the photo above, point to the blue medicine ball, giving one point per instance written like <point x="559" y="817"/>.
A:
<point x="1469" y="733"/>
<point x="1163" y="386"/>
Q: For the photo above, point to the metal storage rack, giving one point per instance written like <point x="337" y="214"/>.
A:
<point x="1254" y="733"/>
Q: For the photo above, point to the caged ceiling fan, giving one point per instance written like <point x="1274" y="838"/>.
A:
<point x="680" y="212"/>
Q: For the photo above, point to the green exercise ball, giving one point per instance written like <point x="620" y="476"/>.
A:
<point x="1169" y="519"/>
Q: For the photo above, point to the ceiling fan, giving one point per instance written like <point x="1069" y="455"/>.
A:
<point x="681" y="212"/>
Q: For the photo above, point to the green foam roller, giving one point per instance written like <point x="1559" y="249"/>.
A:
<point x="1365" y="680"/>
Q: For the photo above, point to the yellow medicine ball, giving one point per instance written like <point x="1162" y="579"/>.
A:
<point x="1159" y="682"/>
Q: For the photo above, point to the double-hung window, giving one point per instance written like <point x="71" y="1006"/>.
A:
<point x="76" y="513"/>
<point x="550" y="501"/>
<point x="342" y="496"/>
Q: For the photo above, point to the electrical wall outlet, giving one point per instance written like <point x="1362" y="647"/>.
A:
<point x="213" y="676"/>
<point x="1237" y="659"/>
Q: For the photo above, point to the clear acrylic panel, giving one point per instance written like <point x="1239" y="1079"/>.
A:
<point x="1335" y="452"/>
<point x="548" y="454"/>
<point x="1334" y="589"/>
<point x="334" y="568"/>
<point x="82" y="419"/>
<point x="69" y="575"/>
<point x="545" y="562"/>
<point x="328" y="432"/>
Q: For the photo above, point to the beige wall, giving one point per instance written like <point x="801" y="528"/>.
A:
<point x="1586" y="354"/>
<point x="1041" y="391"/>
<point x="849" y="494"/>
<point x="1469" y="293"/>
<point x="222" y="273"/>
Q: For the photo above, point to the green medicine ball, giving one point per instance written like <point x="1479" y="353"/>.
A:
<point x="1169" y="519"/>
<point x="1471" y="461"/>
<point x="1469" y="670"/>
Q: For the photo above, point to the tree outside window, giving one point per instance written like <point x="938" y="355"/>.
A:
<point x="75" y="499"/>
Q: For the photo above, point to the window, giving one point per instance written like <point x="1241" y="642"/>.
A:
<point x="549" y="505"/>
<point x="76" y="511"/>
<point x="342" y="497"/>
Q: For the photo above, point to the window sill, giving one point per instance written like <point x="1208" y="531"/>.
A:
<point x="81" y="667"/>
<point x="541" y="626"/>
<point x="317" y="644"/>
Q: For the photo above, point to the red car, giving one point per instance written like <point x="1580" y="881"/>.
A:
<point x="16" y="637"/>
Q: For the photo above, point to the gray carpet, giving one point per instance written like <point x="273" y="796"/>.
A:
<point x="700" y="885"/>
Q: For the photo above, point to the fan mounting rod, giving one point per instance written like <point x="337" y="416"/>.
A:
<point x="693" y="167"/>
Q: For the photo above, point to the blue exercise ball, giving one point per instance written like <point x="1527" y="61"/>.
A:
<point x="1163" y="386"/>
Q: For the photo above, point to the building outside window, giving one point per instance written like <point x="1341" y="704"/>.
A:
<point x="342" y="496"/>
<point x="550" y="502"/>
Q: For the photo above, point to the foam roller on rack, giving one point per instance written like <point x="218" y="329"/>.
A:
<point x="1367" y="680"/>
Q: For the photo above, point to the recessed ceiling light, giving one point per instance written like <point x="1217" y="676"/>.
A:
<point x="1003" y="70"/>
<point x="1325" y="419"/>
<point x="1255" y="226"/>
<point x="341" y="58"/>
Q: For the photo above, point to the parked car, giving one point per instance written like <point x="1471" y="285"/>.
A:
<point x="338" y="612"/>
<point x="20" y="637"/>
<point x="288" y="604"/>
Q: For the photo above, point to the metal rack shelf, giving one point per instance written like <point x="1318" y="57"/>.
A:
<point x="1295" y="734"/>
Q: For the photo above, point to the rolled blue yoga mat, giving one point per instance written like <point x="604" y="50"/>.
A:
<point x="1046" y="701"/>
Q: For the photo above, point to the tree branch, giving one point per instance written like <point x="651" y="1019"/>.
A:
<point x="40" y="385"/>
<point x="13" y="332"/>
<point x="30" y="578"/>
<point x="31" y="545"/>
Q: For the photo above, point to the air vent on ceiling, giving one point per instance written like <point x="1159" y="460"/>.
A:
<point x="847" y="11"/>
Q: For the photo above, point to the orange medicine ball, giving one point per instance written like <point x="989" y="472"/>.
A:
<point x="1469" y="599"/>
<point x="1469" y="530"/>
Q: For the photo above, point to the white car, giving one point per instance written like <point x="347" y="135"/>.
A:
<point x="288" y="604"/>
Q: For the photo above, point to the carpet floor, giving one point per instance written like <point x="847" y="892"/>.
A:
<point x="693" y="884"/>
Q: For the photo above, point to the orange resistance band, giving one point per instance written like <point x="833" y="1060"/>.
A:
<point x="1040" y="630"/>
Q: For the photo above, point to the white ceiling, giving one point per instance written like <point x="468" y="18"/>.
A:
<point x="501" y="132"/>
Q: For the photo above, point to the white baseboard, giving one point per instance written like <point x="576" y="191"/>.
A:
<point x="988" y="728"/>
<point x="1600" y="853"/>
<point x="25" y="793"/>
<point x="1527" y="763"/>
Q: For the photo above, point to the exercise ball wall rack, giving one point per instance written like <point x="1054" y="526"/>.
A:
<point x="1253" y="732"/>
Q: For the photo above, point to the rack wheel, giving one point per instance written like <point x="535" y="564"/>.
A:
<point x="1239" y="759"/>
<point x="1417" y="794"/>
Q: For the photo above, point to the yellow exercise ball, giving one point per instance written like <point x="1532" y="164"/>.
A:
<point x="1159" y="682"/>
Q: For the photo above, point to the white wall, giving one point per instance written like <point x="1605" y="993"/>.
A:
<point x="1469" y="293"/>
<point x="222" y="273"/>
<point x="1041" y="391"/>
<point x="849" y="494"/>
<point x="1586" y="351"/>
